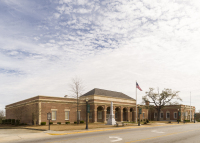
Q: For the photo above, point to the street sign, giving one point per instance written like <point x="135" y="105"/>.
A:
<point x="49" y="116"/>
<point x="179" y="113"/>
<point x="88" y="108"/>
<point x="140" y="110"/>
<point x="195" y="115"/>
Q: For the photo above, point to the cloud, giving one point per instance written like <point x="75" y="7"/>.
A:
<point x="108" y="44"/>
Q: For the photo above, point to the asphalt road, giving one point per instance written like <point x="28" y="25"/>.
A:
<point x="188" y="133"/>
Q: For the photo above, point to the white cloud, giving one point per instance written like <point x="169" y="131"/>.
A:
<point x="109" y="45"/>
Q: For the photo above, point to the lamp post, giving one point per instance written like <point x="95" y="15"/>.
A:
<point x="86" y="114"/>
<point x="49" y="118"/>
<point x="140" y="110"/>
<point x="178" y="116"/>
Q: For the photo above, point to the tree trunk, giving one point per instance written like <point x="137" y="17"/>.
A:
<point x="158" y="116"/>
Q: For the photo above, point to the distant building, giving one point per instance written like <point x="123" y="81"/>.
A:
<point x="170" y="113"/>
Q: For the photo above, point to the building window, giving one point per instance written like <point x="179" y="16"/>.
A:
<point x="143" y="115"/>
<point x="66" y="115"/>
<point x="116" y="115"/>
<point x="167" y="116"/>
<point x="175" y="115"/>
<point x="99" y="114"/>
<point x="90" y="115"/>
<point x="155" y="115"/>
<point x="161" y="115"/>
<point x="53" y="115"/>
<point x="79" y="115"/>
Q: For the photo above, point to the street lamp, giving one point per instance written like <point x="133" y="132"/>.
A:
<point x="178" y="116"/>
<point x="140" y="110"/>
<point x="86" y="113"/>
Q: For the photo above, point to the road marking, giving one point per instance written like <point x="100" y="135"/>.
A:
<point x="117" y="138"/>
<point x="162" y="136"/>
<point x="107" y="130"/>
<point x="154" y="131"/>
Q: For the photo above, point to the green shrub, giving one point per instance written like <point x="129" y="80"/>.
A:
<point x="59" y="123"/>
<point x="3" y="121"/>
<point x="178" y="120"/>
<point x="43" y="123"/>
<point x="145" y="122"/>
<point x="169" y="122"/>
<point x="67" y="122"/>
<point x="75" y="122"/>
<point x="50" y="123"/>
<point x="6" y="121"/>
<point x="187" y="120"/>
<point x="9" y="121"/>
<point x="141" y="120"/>
<point x="81" y="122"/>
<point x="17" y="122"/>
<point x="144" y="119"/>
<point x="13" y="121"/>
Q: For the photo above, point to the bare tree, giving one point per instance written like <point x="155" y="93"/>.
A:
<point x="162" y="99"/>
<point x="2" y="114"/>
<point x="76" y="87"/>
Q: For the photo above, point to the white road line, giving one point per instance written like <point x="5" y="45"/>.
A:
<point x="154" y="131"/>
<point x="116" y="140"/>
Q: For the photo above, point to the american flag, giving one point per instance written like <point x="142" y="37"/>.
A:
<point x="137" y="86"/>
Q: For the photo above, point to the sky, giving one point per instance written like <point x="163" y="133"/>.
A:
<point x="108" y="44"/>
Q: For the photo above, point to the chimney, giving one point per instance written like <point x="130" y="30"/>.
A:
<point x="147" y="102"/>
<point x="65" y="96"/>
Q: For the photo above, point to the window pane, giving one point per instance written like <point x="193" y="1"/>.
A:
<point x="90" y="115"/>
<point x="66" y="115"/>
<point x="167" y="115"/>
<point x="53" y="115"/>
<point x="99" y="114"/>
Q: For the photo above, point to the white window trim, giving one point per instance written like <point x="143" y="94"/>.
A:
<point x="55" y="115"/>
<point x="68" y="115"/>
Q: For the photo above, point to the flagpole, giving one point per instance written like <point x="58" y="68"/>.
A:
<point x="136" y="101"/>
<point x="190" y="106"/>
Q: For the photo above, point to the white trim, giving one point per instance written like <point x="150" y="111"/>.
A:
<point x="55" y="115"/>
<point x="54" y="109"/>
<point x="66" y="109"/>
<point x="65" y="115"/>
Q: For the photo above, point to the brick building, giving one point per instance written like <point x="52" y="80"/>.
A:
<point x="65" y="109"/>
<point x="170" y="113"/>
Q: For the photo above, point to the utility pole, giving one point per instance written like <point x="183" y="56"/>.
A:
<point x="190" y="106"/>
<point x="136" y="102"/>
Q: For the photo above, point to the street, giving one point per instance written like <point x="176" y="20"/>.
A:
<point x="182" y="133"/>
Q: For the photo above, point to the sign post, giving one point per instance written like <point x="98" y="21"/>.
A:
<point x="194" y="117"/>
<point x="49" y="118"/>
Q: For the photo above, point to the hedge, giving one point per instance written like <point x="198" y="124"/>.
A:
<point x="59" y="123"/>
<point x="43" y="123"/>
<point x="67" y="122"/>
<point x="81" y="122"/>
